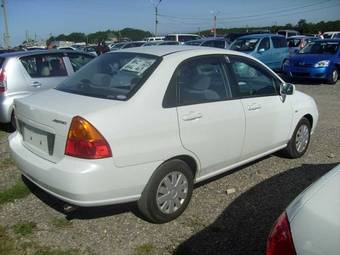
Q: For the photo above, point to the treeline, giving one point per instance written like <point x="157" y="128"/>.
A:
<point x="302" y="26"/>
<point x="131" y="33"/>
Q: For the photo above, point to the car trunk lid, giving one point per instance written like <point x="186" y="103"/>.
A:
<point x="44" y="119"/>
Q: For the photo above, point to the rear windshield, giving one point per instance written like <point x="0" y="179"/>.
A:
<point x="248" y="44"/>
<point x="112" y="76"/>
<point x="320" y="48"/>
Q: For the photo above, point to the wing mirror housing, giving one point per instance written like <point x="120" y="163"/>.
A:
<point x="286" y="89"/>
<point x="261" y="50"/>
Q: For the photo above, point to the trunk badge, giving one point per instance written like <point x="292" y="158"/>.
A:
<point x="60" y="121"/>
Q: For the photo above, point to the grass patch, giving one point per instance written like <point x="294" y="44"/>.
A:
<point x="144" y="249"/>
<point x="17" y="191"/>
<point x="7" y="162"/>
<point x="24" y="228"/>
<point x="7" y="245"/>
<point x="50" y="251"/>
<point x="61" y="223"/>
<point x="3" y="135"/>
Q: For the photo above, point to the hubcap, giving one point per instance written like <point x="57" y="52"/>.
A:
<point x="302" y="138"/>
<point x="172" y="192"/>
<point x="335" y="75"/>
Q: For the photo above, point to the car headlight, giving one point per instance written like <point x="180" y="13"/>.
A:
<point x="323" y="63"/>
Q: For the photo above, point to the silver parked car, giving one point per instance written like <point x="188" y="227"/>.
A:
<point x="310" y="225"/>
<point x="26" y="72"/>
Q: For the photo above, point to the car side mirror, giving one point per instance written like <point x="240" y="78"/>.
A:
<point x="261" y="50"/>
<point x="286" y="89"/>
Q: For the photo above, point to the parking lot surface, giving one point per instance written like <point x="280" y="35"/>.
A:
<point x="231" y="214"/>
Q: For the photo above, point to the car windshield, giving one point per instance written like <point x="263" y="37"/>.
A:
<point x="112" y="76"/>
<point x="245" y="44"/>
<point x="329" y="48"/>
<point x="293" y="42"/>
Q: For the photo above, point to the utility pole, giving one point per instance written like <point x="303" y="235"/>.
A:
<point x="156" y="14"/>
<point x="214" y="26"/>
<point x="7" y="42"/>
<point x="214" y="20"/>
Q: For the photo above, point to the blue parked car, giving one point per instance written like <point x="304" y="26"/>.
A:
<point x="317" y="60"/>
<point x="271" y="49"/>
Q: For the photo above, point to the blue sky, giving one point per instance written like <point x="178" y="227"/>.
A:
<point x="45" y="17"/>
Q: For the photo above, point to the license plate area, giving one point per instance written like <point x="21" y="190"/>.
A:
<point x="37" y="139"/>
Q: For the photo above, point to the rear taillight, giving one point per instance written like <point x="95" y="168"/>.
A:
<point x="280" y="241"/>
<point x="85" y="141"/>
<point x="3" y="82"/>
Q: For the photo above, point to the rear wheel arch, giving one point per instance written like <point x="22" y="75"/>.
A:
<point x="189" y="160"/>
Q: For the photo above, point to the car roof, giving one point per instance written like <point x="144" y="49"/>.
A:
<point x="328" y="40"/>
<point x="209" y="39"/>
<point x="38" y="52"/>
<point x="164" y="50"/>
<point x="259" y="36"/>
<point x="183" y="34"/>
<point x="299" y="36"/>
<point x="287" y="30"/>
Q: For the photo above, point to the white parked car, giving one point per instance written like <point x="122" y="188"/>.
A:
<point x="144" y="124"/>
<point x="310" y="225"/>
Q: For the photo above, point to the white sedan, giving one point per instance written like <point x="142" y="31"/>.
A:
<point x="310" y="225"/>
<point x="145" y="124"/>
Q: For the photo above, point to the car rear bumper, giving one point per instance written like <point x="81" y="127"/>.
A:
<point x="79" y="181"/>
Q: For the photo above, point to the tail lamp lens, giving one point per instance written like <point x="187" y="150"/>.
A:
<point x="280" y="241"/>
<point x="3" y="85"/>
<point x="85" y="141"/>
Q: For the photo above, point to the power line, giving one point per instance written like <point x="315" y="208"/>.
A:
<point x="274" y="11"/>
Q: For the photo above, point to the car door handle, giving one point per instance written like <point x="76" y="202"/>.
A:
<point x="254" y="107"/>
<point x="36" y="84"/>
<point x="192" y="116"/>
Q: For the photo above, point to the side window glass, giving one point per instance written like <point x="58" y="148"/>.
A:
<point x="279" y="42"/>
<point x="40" y="66"/>
<point x="202" y="80"/>
<point x="264" y="44"/>
<point x="78" y="60"/>
<point x="252" y="79"/>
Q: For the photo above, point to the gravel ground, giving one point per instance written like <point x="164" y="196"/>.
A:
<point x="215" y="222"/>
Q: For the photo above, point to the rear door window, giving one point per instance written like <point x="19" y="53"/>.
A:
<point x="202" y="80"/>
<point x="44" y="66"/>
<point x="78" y="60"/>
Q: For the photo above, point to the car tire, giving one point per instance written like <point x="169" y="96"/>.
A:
<point x="167" y="193"/>
<point x="298" y="144"/>
<point x="334" y="76"/>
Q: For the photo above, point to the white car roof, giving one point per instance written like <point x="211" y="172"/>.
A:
<point x="176" y="49"/>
